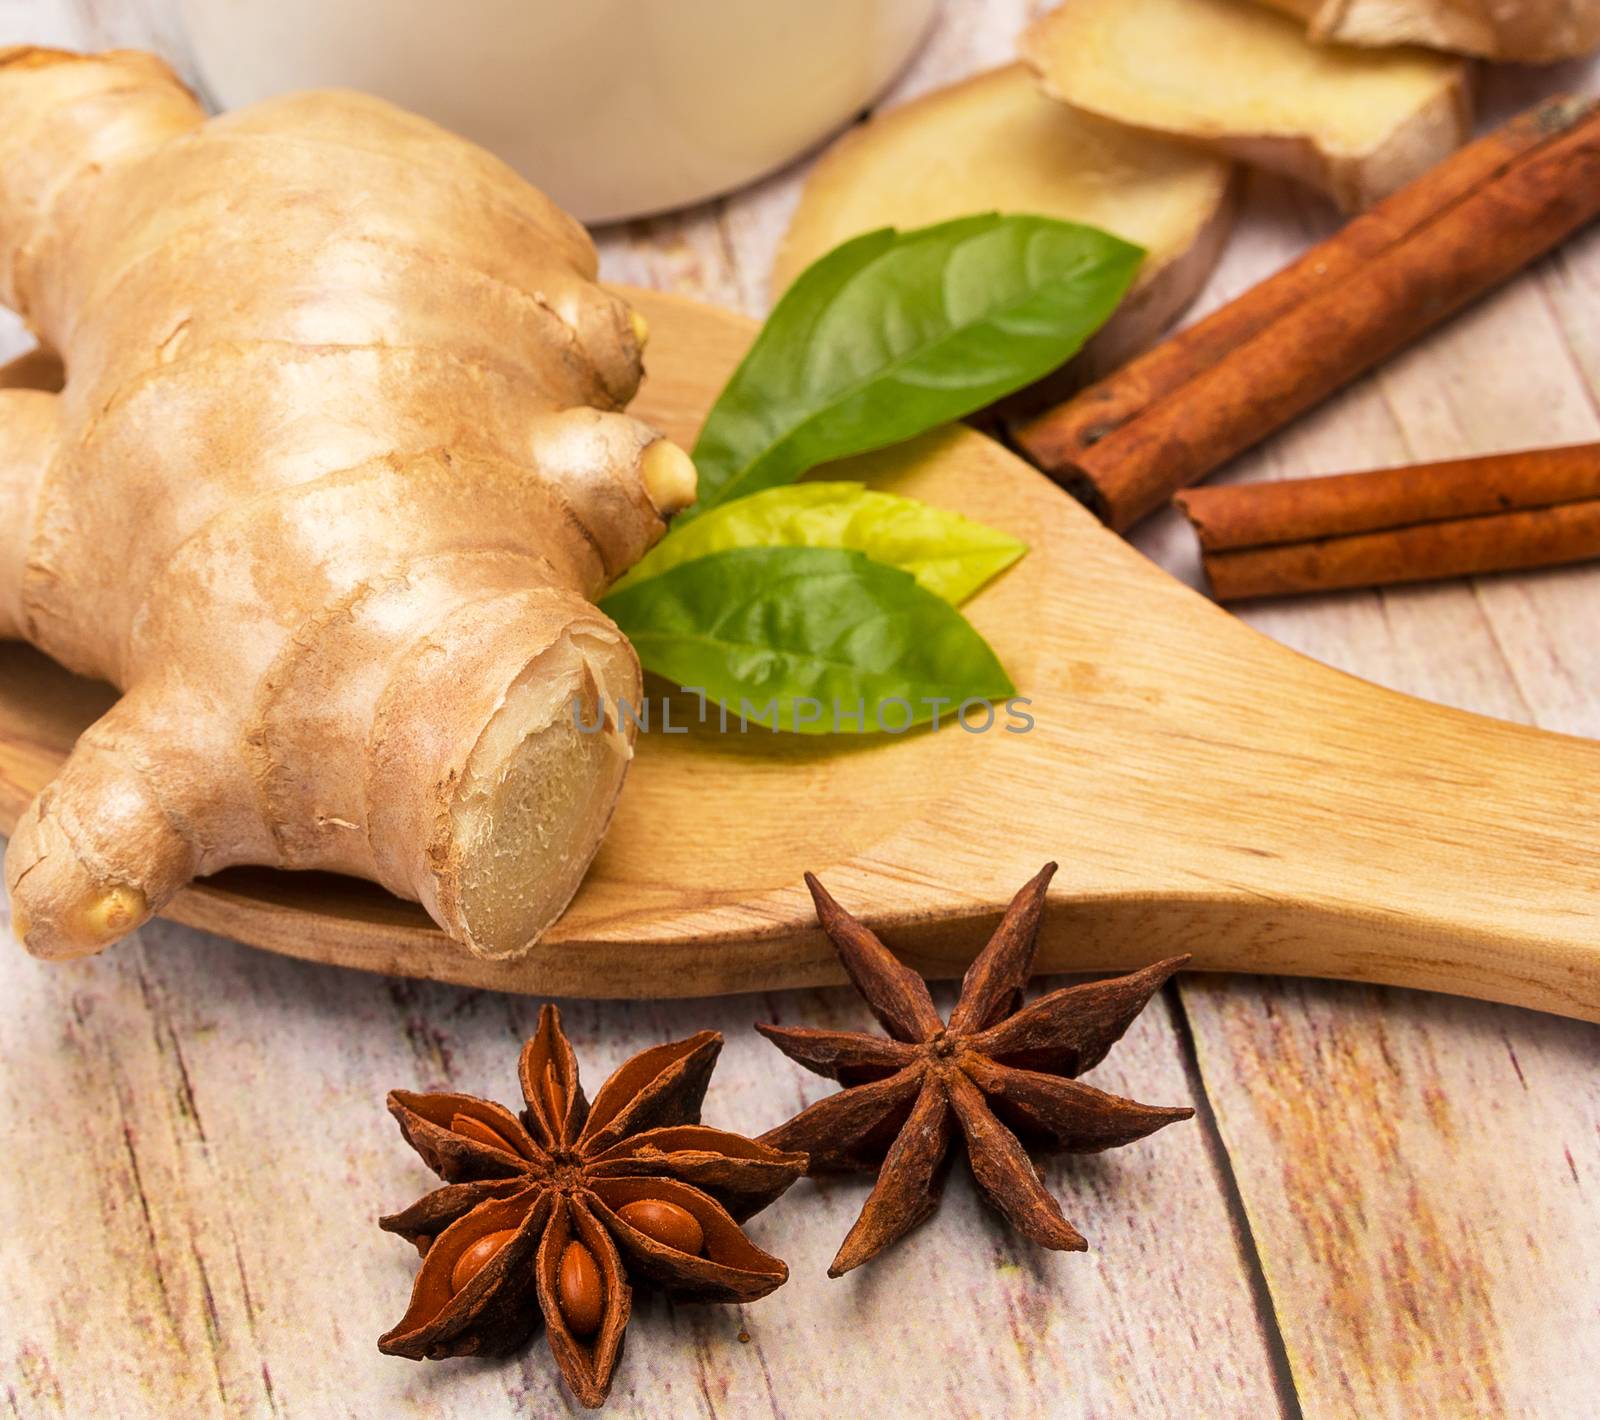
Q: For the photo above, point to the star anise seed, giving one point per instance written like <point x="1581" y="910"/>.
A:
<point x="1000" y="1072"/>
<point x="554" y="1211"/>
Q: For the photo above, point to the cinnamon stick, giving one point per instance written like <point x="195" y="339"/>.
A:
<point x="1126" y="444"/>
<point x="1499" y="513"/>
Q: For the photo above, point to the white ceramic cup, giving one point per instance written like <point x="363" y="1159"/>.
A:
<point x="616" y="108"/>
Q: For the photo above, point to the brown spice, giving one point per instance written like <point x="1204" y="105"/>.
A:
<point x="1000" y="1074"/>
<point x="1498" y="513"/>
<point x="1172" y="417"/>
<point x="541" y="1212"/>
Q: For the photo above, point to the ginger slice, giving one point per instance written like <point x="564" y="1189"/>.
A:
<point x="994" y="143"/>
<point x="1527" y="31"/>
<point x="1243" y="81"/>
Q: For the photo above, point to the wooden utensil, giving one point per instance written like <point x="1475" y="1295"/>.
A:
<point x="1204" y="789"/>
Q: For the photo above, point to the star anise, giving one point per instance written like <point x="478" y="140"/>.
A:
<point x="552" y="1213"/>
<point x="1001" y="1073"/>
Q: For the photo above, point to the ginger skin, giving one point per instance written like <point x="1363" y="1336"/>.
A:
<point x="1524" y="31"/>
<point x="336" y="474"/>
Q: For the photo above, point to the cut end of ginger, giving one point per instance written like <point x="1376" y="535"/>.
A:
<point x="994" y="143"/>
<point x="1246" y="81"/>
<point x="536" y="799"/>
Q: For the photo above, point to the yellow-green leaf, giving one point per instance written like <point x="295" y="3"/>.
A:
<point x="949" y="555"/>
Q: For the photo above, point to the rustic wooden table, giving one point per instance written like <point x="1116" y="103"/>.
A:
<point x="1384" y="1207"/>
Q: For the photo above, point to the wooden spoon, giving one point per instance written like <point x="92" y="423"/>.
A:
<point x="1204" y="789"/>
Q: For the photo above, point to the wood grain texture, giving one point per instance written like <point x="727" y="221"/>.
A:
<point x="1201" y="785"/>
<point x="1415" y="1176"/>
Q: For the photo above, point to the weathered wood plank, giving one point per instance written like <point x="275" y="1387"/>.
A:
<point x="1419" y="1175"/>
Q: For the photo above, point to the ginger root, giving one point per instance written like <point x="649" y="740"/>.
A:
<point x="1525" y="31"/>
<point x="995" y="143"/>
<point x="335" y="476"/>
<point x="1243" y="81"/>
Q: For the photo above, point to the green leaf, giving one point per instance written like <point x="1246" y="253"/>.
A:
<point x="892" y="334"/>
<point x="785" y="634"/>
<point x="949" y="555"/>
